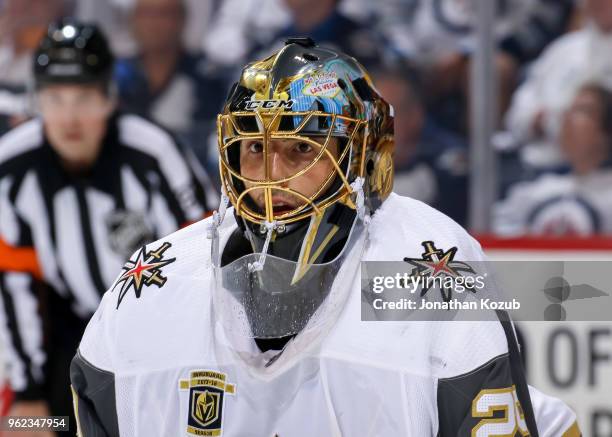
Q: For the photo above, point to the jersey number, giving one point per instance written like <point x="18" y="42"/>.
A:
<point x="487" y="402"/>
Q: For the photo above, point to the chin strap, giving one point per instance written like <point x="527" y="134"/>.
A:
<point x="357" y="187"/>
<point x="212" y="231"/>
<point x="259" y="264"/>
<point x="218" y="216"/>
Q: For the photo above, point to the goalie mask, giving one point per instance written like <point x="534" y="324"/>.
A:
<point x="305" y="150"/>
<point x="324" y="100"/>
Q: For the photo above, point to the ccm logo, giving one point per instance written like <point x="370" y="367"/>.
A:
<point x="267" y="104"/>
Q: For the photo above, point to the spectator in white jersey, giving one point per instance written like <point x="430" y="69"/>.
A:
<point x="81" y="187"/>
<point x="576" y="200"/>
<point x="574" y="59"/>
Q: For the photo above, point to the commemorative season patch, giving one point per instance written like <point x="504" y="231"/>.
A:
<point x="143" y="271"/>
<point x="207" y="389"/>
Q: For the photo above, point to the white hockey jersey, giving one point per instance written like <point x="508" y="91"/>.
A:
<point x="154" y="361"/>
<point x="555" y="204"/>
<point x="571" y="61"/>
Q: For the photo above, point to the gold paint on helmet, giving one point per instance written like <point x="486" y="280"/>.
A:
<point x="382" y="176"/>
<point x="269" y="93"/>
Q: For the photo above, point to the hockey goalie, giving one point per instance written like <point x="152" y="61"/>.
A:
<point x="249" y="323"/>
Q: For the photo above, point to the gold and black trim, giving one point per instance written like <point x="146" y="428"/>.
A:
<point x="207" y="389"/>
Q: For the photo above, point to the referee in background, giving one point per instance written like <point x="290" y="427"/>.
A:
<point x="82" y="187"/>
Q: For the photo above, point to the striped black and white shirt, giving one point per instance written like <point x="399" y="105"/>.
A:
<point x="72" y="233"/>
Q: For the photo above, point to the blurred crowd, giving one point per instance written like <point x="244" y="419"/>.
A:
<point x="176" y="60"/>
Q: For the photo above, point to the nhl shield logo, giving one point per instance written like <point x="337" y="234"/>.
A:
<point x="206" y="395"/>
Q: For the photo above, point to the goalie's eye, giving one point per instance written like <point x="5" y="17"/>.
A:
<point x="303" y="148"/>
<point x="255" y="147"/>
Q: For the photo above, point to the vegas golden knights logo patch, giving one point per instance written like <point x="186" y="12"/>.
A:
<point x="206" y="394"/>
<point x="143" y="271"/>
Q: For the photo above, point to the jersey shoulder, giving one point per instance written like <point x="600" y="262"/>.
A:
<point x="21" y="141"/>
<point x="147" y="138"/>
<point x="545" y="186"/>
<point x="189" y="248"/>
<point x="161" y="294"/>
<point x="405" y="228"/>
<point x="567" y="46"/>
<point x="181" y="255"/>
<point x="402" y="225"/>
<point x="141" y="134"/>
